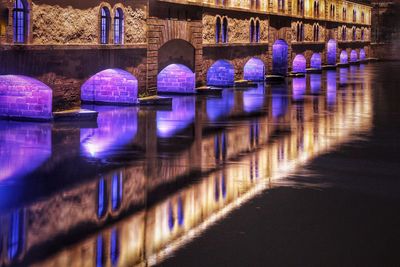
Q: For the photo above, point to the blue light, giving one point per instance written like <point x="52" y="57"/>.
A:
<point x="315" y="83"/>
<point x="280" y="58"/>
<point x="116" y="190"/>
<point x="220" y="107"/>
<point x="280" y="101"/>
<point x="176" y="78"/>
<point x="102" y="198"/>
<point x="253" y="100"/>
<point x="299" y="64"/>
<point x="344" y="58"/>
<point x="316" y="61"/>
<point x="114" y="247"/>
<point x="331" y="52"/>
<point x="221" y="73"/>
<point x="16" y="235"/>
<point x="254" y="70"/>
<point x="299" y="88"/>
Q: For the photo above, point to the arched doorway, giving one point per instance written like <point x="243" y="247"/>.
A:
<point x="344" y="58"/>
<point x="111" y="86"/>
<point x="331" y="52"/>
<point x="254" y="70"/>
<point x="363" y="55"/>
<point x="353" y="56"/>
<point x="221" y="73"/>
<point x="176" y="78"/>
<point x="280" y="58"/>
<point x="316" y="61"/>
<point x="299" y="64"/>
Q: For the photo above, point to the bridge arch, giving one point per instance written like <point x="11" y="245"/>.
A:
<point x="254" y="70"/>
<point x="316" y="61"/>
<point x="111" y="86"/>
<point x="331" y="48"/>
<point x="353" y="56"/>
<point x="363" y="55"/>
<point x="299" y="64"/>
<point x="280" y="57"/>
<point x="176" y="51"/>
<point x="25" y="97"/>
<point x="221" y="73"/>
<point x="344" y="57"/>
<point x="176" y="78"/>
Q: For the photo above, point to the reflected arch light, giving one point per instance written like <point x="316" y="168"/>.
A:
<point x="316" y="61"/>
<point x="169" y="123"/>
<point x="331" y="87"/>
<point x="220" y="107"/>
<point x="299" y="64"/>
<point x="315" y="83"/>
<point x="254" y="70"/>
<point x="111" y="86"/>
<point x="280" y="58"/>
<point x="176" y="78"/>
<point x="299" y="88"/>
<point x="280" y="101"/>
<point x="221" y="73"/>
<point x="331" y="52"/>
<point x="344" y="58"/>
<point x="353" y="56"/>
<point x="117" y="127"/>
<point x="253" y="100"/>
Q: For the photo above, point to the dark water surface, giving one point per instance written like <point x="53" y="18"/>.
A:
<point x="300" y="174"/>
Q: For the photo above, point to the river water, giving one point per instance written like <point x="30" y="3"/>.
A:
<point x="303" y="173"/>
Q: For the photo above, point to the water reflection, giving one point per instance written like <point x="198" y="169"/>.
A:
<point x="253" y="100"/>
<point x="141" y="212"/>
<point x="219" y="107"/>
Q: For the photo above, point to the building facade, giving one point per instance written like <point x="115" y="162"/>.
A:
<point x="86" y="50"/>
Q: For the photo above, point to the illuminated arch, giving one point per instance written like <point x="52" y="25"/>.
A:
<point x="254" y="70"/>
<point x="316" y="61"/>
<point x="280" y="57"/>
<point x="299" y="64"/>
<point x="344" y="57"/>
<point x="176" y="78"/>
<point x="331" y="52"/>
<point x="353" y="56"/>
<point x="111" y="86"/>
<point x="25" y="97"/>
<point x="363" y="55"/>
<point x="221" y="73"/>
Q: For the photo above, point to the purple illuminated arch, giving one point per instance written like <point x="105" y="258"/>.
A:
<point x="299" y="88"/>
<point x="25" y="97"/>
<point x="253" y="100"/>
<point x="169" y="123"/>
<point x="221" y="73"/>
<point x="176" y="78"/>
<point x="315" y="83"/>
<point x="362" y="54"/>
<point x="117" y="127"/>
<point x="353" y="56"/>
<point x="344" y="57"/>
<point x="113" y="86"/>
<point x="254" y="70"/>
<point x="220" y="107"/>
<point x="331" y="52"/>
<point x="316" y="61"/>
<point x="280" y="57"/>
<point x="24" y="146"/>
<point x="299" y="64"/>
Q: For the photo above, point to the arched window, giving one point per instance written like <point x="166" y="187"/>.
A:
<point x="344" y="14"/>
<point x="316" y="33"/>
<point x="118" y="26"/>
<point x="20" y="21"/>
<point x="281" y="5"/>
<point x="354" y="34"/>
<point x="300" y="7"/>
<point x="252" y="30"/>
<point x="104" y="25"/>
<point x="224" y="30"/>
<point x="332" y="11"/>
<point x="316" y="9"/>
<point x="354" y="15"/>
<point x="362" y="35"/>
<point x="344" y="33"/>
<point x="257" y="31"/>
<point x="362" y="17"/>
<point x="218" y="30"/>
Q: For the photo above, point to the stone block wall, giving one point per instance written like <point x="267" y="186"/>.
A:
<point x="176" y="78"/>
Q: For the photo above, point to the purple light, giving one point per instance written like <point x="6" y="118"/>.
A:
<point x="253" y="100"/>
<point x="331" y="87"/>
<point x="331" y="52"/>
<point x="299" y="64"/>
<point x="362" y="54"/>
<point x="315" y="83"/>
<point x="24" y="146"/>
<point x="111" y="86"/>
<point x="221" y="73"/>
<point x="353" y="56"/>
<point x="299" y="88"/>
<point x="117" y="127"/>
<point x="343" y="73"/>
<point x="279" y="101"/>
<point x="254" y="70"/>
<point x="279" y="58"/>
<point x="176" y="78"/>
<point x="25" y="97"/>
<point x="182" y="115"/>
<point x="220" y="107"/>
<point x="316" y="61"/>
<point x="344" y="58"/>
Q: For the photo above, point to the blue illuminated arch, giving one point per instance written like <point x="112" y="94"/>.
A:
<point x="362" y="54"/>
<point x="344" y="58"/>
<point x="280" y="58"/>
<point x="176" y="78"/>
<point x="34" y="98"/>
<point x="299" y="64"/>
<point x="331" y="52"/>
<point x="254" y="70"/>
<point x="221" y="73"/>
<point x="353" y="56"/>
<point x="316" y="61"/>
<point x="111" y="86"/>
